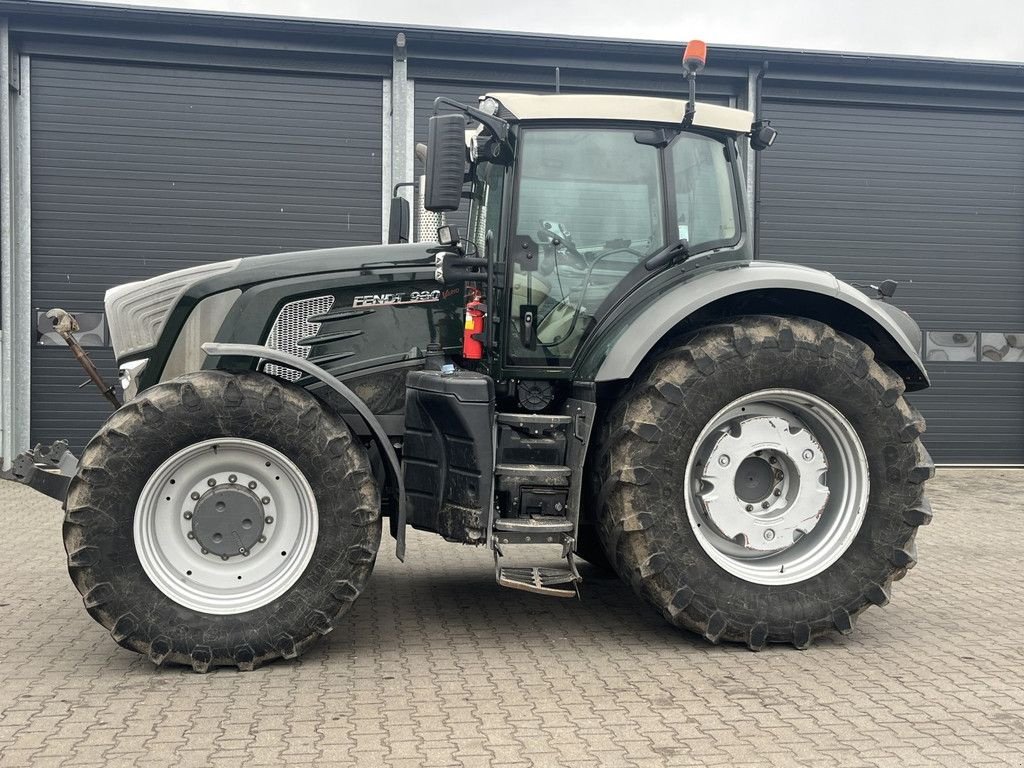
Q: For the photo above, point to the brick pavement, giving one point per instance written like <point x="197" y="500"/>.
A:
<point x="438" y="666"/>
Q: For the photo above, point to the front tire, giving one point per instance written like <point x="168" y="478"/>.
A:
<point x="221" y="519"/>
<point x="820" y="525"/>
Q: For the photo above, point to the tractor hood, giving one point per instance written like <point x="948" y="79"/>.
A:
<point x="137" y="313"/>
<point x="351" y="311"/>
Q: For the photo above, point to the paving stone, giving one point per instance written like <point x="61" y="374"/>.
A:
<point x="436" y="666"/>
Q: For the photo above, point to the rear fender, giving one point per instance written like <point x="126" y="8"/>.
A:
<point x="377" y="431"/>
<point x="759" y="287"/>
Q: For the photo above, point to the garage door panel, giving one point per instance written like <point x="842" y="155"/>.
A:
<point x="138" y="170"/>
<point x="932" y="198"/>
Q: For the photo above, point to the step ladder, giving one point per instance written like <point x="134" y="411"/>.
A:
<point x="539" y="502"/>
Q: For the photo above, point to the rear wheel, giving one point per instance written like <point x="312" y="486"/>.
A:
<point x="221" y="519"/>
<point x="763" y="483"/>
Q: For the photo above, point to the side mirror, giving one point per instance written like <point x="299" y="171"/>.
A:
<point x="446" y="162"/>
<point x="762" y="135"/>
<point x="399" y="222"/>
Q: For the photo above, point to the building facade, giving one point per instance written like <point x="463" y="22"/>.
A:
<point x="136" y="141"/>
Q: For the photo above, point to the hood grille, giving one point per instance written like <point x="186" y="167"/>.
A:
<point x="292" y="325"/>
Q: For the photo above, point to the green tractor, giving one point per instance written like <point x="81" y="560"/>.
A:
<point x="597" y="365"/>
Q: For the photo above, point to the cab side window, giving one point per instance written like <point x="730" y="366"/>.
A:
<point x="705" y="199"/>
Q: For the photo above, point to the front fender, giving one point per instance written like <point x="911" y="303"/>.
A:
<point x="380" y="437"/>
<point x="760" y="287"/>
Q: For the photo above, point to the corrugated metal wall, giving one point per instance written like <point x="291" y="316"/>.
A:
<point x="933" y="198"/>
<point x="137" y="170"/>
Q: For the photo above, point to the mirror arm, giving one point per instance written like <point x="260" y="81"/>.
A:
<point x="497" y="127"/>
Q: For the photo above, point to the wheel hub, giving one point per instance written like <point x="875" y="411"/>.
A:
<point x="228" y="521"/>
<point x="755" y="479"/>
<point x="763" y="485"/>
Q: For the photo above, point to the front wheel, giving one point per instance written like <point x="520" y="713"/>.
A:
<point x="763" y="482"/>
<point x="221" y="519"/>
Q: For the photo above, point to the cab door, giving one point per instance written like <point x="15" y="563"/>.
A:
<point x="590" y="207"/>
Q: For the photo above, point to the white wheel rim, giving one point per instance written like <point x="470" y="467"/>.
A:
<point x="260" y="478"/>
<point x="777" y="486"/>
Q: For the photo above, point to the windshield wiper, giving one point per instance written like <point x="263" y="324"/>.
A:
<point x="667" y="255"/>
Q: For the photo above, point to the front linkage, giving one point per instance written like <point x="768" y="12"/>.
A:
<point x="49" y="469"/>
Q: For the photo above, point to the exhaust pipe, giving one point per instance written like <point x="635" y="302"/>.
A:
<point x="427" y="222"/>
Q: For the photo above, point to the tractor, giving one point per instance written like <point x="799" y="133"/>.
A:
<point x="597" y="364"/>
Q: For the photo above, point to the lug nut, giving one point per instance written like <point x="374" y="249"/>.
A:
<point x="211" y="482"/>
<point x="194" y="495"/>
<point x="778" y="474"/>
<point x="265" y="500"/>
<point x="205" y="551"/>
<point x="262" y="539"/>
<point x="772" y="460"/>
<point x="188" y="515"/>
<point x="232" y="478"/>
<point x="252" y="484"/>
<point x="190" y="535"/>
<point x="723" y="460"/>
<point x="777" y="492"/>
<point x="224" y="557"/>
<point x="243" y="551"/>
<point x="268" y="520"/>
<point x="765" y="505"/>
<point x="750" y="507"/>
<point x="808" y="454"/>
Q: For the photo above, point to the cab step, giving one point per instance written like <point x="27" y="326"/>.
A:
<point x="541" y="580"/>
<point x="542" y="524"/>
<point x="538" y="473"/>
<point x="554" y="582"/>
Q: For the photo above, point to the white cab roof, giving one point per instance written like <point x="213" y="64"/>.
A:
<point x="650" y="109"/>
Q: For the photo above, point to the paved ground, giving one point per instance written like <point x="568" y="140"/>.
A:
<point x="439" y="667"/>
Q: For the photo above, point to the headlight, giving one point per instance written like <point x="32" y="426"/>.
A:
<point x="129" y="376"/>
<point x="137" y="312"/>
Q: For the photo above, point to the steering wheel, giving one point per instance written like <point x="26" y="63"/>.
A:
<point x="558" y="235"/>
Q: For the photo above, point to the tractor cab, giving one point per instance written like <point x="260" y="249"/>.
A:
<point x="587" y="197"/>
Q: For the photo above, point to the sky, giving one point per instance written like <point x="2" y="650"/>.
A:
<point x="990" y="30"/>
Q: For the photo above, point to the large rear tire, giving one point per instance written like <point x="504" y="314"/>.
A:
<point x="221" y="519"/>
<point x="763" y="482"/>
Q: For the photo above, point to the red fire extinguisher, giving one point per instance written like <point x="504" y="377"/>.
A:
<point x="473" y="333"/>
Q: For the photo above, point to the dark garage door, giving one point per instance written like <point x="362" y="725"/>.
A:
<point x="138" y="170"/>
<point x="934" y="199"/>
